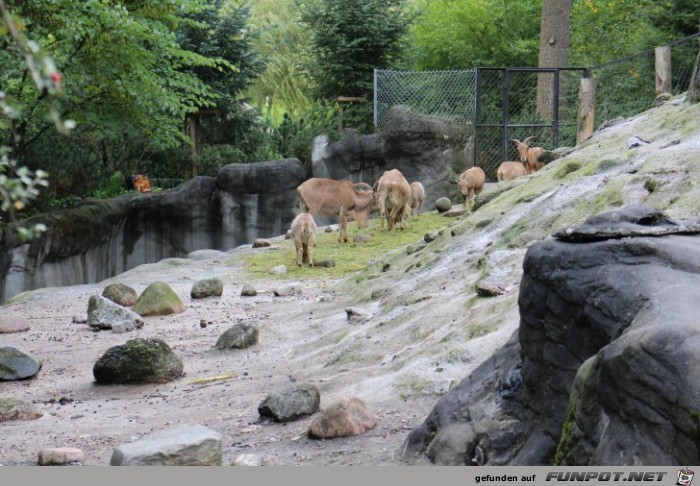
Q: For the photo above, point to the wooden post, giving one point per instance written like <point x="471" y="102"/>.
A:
<point x="586" y="109"/>
<point x="341" y="107"/>
<point x="662" y="66"/>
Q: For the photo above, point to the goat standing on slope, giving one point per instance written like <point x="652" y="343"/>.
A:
<point x="417" y="196"/>
<point x="304" y="234"/>
<point x="470" y="184"/>
<point x="528" y="155"/>
<point x="510" y="170"/>
<point x="392" y="192"/>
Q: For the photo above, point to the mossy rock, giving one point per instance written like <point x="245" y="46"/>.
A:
<point x="120" y="294"/>
<point x="159" y="299"/>
<point x="138" y="361"/>
<point x="209" y="287"/>
<point x="14" y="409"/>
<point x="239" y="336"/>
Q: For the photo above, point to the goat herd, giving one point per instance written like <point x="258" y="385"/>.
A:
<point x="391" y="195"/>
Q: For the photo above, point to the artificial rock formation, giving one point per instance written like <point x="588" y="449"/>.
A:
<point x="608" y="335"/>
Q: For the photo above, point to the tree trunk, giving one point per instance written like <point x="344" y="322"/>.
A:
<point x="554" y="50"/>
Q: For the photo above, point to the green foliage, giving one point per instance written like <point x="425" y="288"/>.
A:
<point x="351" y="39"/>
<point x="121" y="65"/>
<point x="624" y="27"/>
<point x="460" y="35"/>
<point x="296" y="133"/>
<point x="114" y="187"/>
<point x="285" y="86"/>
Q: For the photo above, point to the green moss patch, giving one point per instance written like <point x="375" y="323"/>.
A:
<point x="349" y="257"/>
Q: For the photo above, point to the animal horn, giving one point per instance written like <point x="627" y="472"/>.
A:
<point x="528" y="140"/>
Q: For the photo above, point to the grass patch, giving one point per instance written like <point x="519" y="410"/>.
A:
<point x="348" y="257"/>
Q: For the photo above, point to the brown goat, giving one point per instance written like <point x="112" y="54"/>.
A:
<point x="392" y="192"/>
<point x="510" y="170"/>
<point x="528" y="155"/>
<point x="417" y="196"/>
<point x="328" y="197"/>
<point x="470" y="183"/>
<point x="304" y="235"/>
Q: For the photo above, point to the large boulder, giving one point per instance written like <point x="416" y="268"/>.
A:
<point x="185" y="445"/>
<point x="16" y="364"/>
<point x="291" y="404"/>
<point x="14" y="409"/>
<point x="138" y="361"/>
<point x="208" y="287"/>
<point x="347" y="417"/>
<point x="158" y="299"/>
<point x="103" y="313"/>
<point x="608" y="335"/>
<point x="121" y="294"/>
<point x="239" y="336"/>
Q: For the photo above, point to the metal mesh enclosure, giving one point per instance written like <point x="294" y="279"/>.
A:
<point x="444" y="94"/>
<point x="627" y="86"/>
<point x="507" y="109"/>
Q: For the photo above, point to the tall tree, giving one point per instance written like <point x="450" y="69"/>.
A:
<point x="122" y="67"/>
<point x="285" y="85"/>
<point x="470" y="33"/>
<point x="350" y="40"/>
<point x="554" y="49"/>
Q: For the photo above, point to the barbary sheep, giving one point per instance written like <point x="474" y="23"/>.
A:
<point x="329" y="197"/>
<point x="417" y="196"/>
<point x="304" y="235"/>
<point x="392" y="192"/>
<point x="528" y="155"/>
<point x="470" y="183"/>
<point x="510" y="170"/>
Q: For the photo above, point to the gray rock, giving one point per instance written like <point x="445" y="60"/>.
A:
<point x="608" y="332"/>
<point x="16" y="364"/>
<point x="247" y="460"/>
<point x="291" y="404"/>
<point x="355" y="316"/>
<point x="13" y="324"/>
<point x="159" y="299"/>
<point x="209" y="287"/>
<point x="239" y="336"/>
<point x="346" y="417"/>
<point x="415" y="247"/>
<point x="454" y="445"/>
<point x="633" y="220"/>
<point x="103" y="313"/>
<point x="120" y="294"/>
<point x="329" y="263"/>
<point x="287" y="291"/>
<point x="138" y="361"/>
<point x="14" y="409"/>
<point x="489" y="288"/>
<point x="430" y="236"/>
<point x="186" y="445"/>
<point x="443" y="204"/>
<point x="60" y="455"/>
<point x="122" y="327"/>
<point x="261" y="243"/>
<point x="248" y="291"/>
<point x="279" y="270"/>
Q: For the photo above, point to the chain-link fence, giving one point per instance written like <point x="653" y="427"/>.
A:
<point x="627" y="86"/>
<point x="517" y="103"/>
<point x="448" y="95"/>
